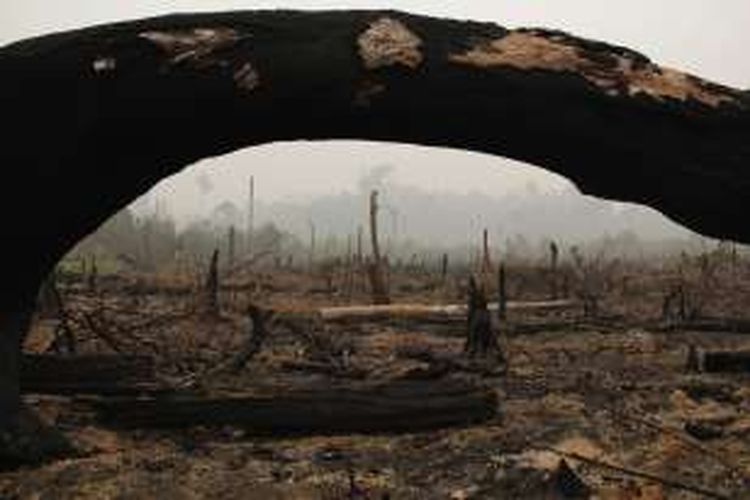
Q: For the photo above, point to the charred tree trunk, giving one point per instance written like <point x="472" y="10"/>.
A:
<point x="93" y="276"/>
<point x="13" y="325"/>
<point x="87" y="374"/>
<point x="212" y="286"/>
<point x="251" y="218"/>
<point x="231" y="248"/>
<point x="396" y="407"/>
<point x="257" y="335"/>
<point x="444" y="269"/>
<point x="502" y="294"/>
<point x="377" y="275"/>
<point x="480" y="337"/>
<point x="486" y="261"/>
<point x="24" y="440"/>
<point x="554" y="253"/>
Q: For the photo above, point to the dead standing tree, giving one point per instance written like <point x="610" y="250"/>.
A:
<point x="554" y="253"/>
<point x="486" y="260"/>
<point x="231" y="248"/>
<point x="211" y="289"/>
<point x="376" y="271"/>
<point x="502" y="295"/>
<point x="481" y="337"/>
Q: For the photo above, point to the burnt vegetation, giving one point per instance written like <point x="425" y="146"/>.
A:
<point x="539" y="363"/>
<point x="191" y="361"/>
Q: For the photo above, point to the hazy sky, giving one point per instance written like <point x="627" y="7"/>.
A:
<point x="706" y="37"/>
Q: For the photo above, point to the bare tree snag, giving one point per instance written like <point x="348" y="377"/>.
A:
<point x="178" y="89"/>
<point x="502" y="294"/>
<point x="211" y="290"/>
<point x="231" y="248"/>
<point x="554" y="253"/>
<point x="377" y="278"/>
<point x="311" y="257"/>
<point x="251" y="217"/>
<point x="486" y="260"/>
<point x="93" y="276"/>
<point x="257" y="335"/>
<point x="481" y="338"/>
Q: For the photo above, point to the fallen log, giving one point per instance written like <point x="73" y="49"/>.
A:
<point x="726" y="361"/>
<point x="427" y="311"/>
<point x="404" y="406"/>
<point x="87" y="374"/>
<point x="709" y="325"/>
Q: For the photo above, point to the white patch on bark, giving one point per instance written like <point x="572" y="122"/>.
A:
<point x="388" y="42"/>
<point x="530" y="51"/>
<point x="196" y="45"/>
<point x="104" y="64"/>
<point x="247" y="77"/>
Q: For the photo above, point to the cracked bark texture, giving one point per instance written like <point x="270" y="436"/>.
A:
<point x="96" y="117"/>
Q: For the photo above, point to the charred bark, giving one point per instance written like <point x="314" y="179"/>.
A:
<point x="87" y="374"/>
<point x="181" y="88"/>
<point x="376" y="272"/>
<point x="481" y="338"/>
<point x="395" y="407"/>
<point x="726" y="361"/>
<point x="24" y="439"/>
<point x="211" y="304"/>
<point x="257" y="335"/>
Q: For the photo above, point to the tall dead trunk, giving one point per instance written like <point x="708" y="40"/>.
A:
<point x="481" y="338"/>
<point x="502" y="294"/>
<point x="212" y="286"/>
<point x="251" y="217"/>
<point x="486" y="261"/>
<point x="231" y="244"/>
<point x="311" y="257"/>
<point x="377" y="278"/>
<point x="444" y="268"/>
<point x="554" y="253"/>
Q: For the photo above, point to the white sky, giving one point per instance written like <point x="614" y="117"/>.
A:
<point x="706" y="37"/>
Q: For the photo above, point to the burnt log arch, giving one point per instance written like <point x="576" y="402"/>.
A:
<point x="95" y="117"/>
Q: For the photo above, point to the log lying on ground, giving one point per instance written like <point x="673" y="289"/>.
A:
<point x="428" y="312"/>
<point x="710" y="325"/>
<point x="403" y="406"/>
<point x="726" y="361"/>
<point x="87" y="374"/>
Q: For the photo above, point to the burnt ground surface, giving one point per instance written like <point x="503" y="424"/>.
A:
<point x="612" y="389"/>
